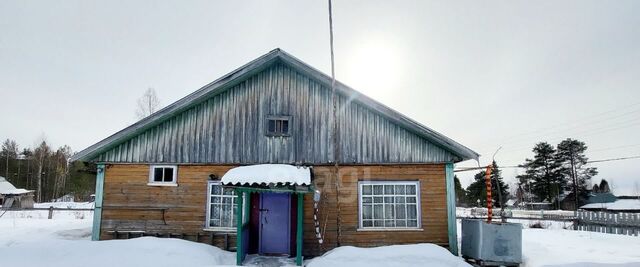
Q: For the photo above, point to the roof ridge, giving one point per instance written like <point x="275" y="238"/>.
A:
<point x="252" y="67"/>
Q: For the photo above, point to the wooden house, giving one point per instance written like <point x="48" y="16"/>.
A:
<point x="242" y="162"/>
<point x="12" y="197"/>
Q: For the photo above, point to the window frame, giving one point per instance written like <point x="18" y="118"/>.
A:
<point x="418" y="226"/>
<point x="152" y="170"/>
<point x="207" y="224"/>
<point x="276" y="118"/>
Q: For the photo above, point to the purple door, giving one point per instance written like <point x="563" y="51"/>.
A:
<point x="275" y="214"/>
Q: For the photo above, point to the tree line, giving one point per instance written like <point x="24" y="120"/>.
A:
<point x="476" y="193"/>
<point x="46" y="170"/>
<point x="555" y="174"/>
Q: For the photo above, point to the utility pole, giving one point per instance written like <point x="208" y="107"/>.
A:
<point x="6" y="171"/>
<point x="336" y="149"/>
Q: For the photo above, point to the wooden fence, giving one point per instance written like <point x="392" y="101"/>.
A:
<point x="51" y="210"/>
<point x="593" y="221"/>
<point x="607" y="222"/>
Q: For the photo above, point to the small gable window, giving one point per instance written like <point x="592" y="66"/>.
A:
<point x="163" y="175"/>
<point x="278" y="125"/>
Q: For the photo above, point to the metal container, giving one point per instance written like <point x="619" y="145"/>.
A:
<point x="492" y="243"/>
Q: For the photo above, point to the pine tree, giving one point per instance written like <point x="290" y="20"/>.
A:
<point x="543" y="176"/>
<point x="604" y="186"/>
<point x="571" y="156"/>
<point x="477" y="190"/>
<point x="9" y="154"/>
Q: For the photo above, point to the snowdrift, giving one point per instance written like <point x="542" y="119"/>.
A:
<point x="144" y="251"/>
<point x="398" y="255"/>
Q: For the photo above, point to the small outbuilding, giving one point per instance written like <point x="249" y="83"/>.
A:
<point x="12" y="197"/>
<point x="249" y="163"/>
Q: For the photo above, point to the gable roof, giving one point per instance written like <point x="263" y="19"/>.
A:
<point x="6" y="188"/>
<point x="277" y="55"/>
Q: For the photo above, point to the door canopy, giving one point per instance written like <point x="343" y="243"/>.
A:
<point x="266" y="174"/>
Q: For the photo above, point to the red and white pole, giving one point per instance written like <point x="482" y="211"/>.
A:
<point x="487" y="180"/>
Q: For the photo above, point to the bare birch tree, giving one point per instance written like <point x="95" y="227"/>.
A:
<point x="40" y="154"/>
<point x="147" y="104"/>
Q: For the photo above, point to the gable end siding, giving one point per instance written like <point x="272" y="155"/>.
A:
<point x="229" y="128"/>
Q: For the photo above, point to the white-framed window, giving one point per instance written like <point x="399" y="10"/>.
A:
<point x="389" y="204"/>
<point x="221" y="207"/>
<point x="163" y="175"/>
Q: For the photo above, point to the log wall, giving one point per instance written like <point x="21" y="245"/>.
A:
<point x="132" y="205"/>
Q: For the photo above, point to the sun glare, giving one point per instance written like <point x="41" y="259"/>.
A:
<point x="374" y="68"/>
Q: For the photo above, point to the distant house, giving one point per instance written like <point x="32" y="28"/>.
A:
<point x="601" y="198"/>
<point x="251" y="154"/>
<point x="617" y="204"/>
<point x="568" y="201"/>
<point x="620" y="205"/>
<point x="65" y="198"/>
<point x="12" y="197"/>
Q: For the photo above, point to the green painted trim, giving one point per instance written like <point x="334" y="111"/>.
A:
<point x="451" y="209"/>
<point x="97" y="211"/>
<point x="299" y="230"/>
<point x="247" y="209"/>
<point x="239" y="209"/>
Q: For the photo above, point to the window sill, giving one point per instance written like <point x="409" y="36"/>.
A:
<point x="162" y="184"/>
<point x="221" y="230"/>
<point x="389" y="230"/>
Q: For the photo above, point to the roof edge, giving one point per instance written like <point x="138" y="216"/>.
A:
<point x="252" y="67"/>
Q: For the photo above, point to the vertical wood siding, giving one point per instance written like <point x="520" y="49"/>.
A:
<point x="230" y="128"/>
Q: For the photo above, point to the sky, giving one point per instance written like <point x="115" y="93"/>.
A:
<point x="488" y="74"/>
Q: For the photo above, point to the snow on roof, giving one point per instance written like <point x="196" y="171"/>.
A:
<point x="620" y="204"/>
<point x="264" y="174"/>
<point x="6" y="188"/>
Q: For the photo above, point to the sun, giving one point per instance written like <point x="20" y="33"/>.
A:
<point x="374" y="68"/>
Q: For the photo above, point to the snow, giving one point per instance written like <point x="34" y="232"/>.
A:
<point x="620" y="205"/>
<point x="544" y="247"/>
<point x="65" y="205"/>
<point x="7" y="188"/>
<point x="66" y="242"/>
<point x="398" y="255"/>
<point x="30" y="240"/>
<point x="265" y="174"/>
<point x="70" y="214"/>
<point x="557" y="247"/>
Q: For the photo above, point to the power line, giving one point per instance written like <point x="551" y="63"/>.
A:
<point x="614" y="159"/>
<point x="586" y="133"/>
<point x="464" y="169"/>
<point x="609" y="121"/>
<point x="575" y="121"/>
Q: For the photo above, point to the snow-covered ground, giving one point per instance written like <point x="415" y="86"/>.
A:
<point x="399" y="255"/>
<point x="66" y="242"/>
<point x="27" y="240"/>
<point x="71" y="214"/>
<point x="542" y="247"/>
<point x="554" y="246"/>
<point x="65" y="205"/>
